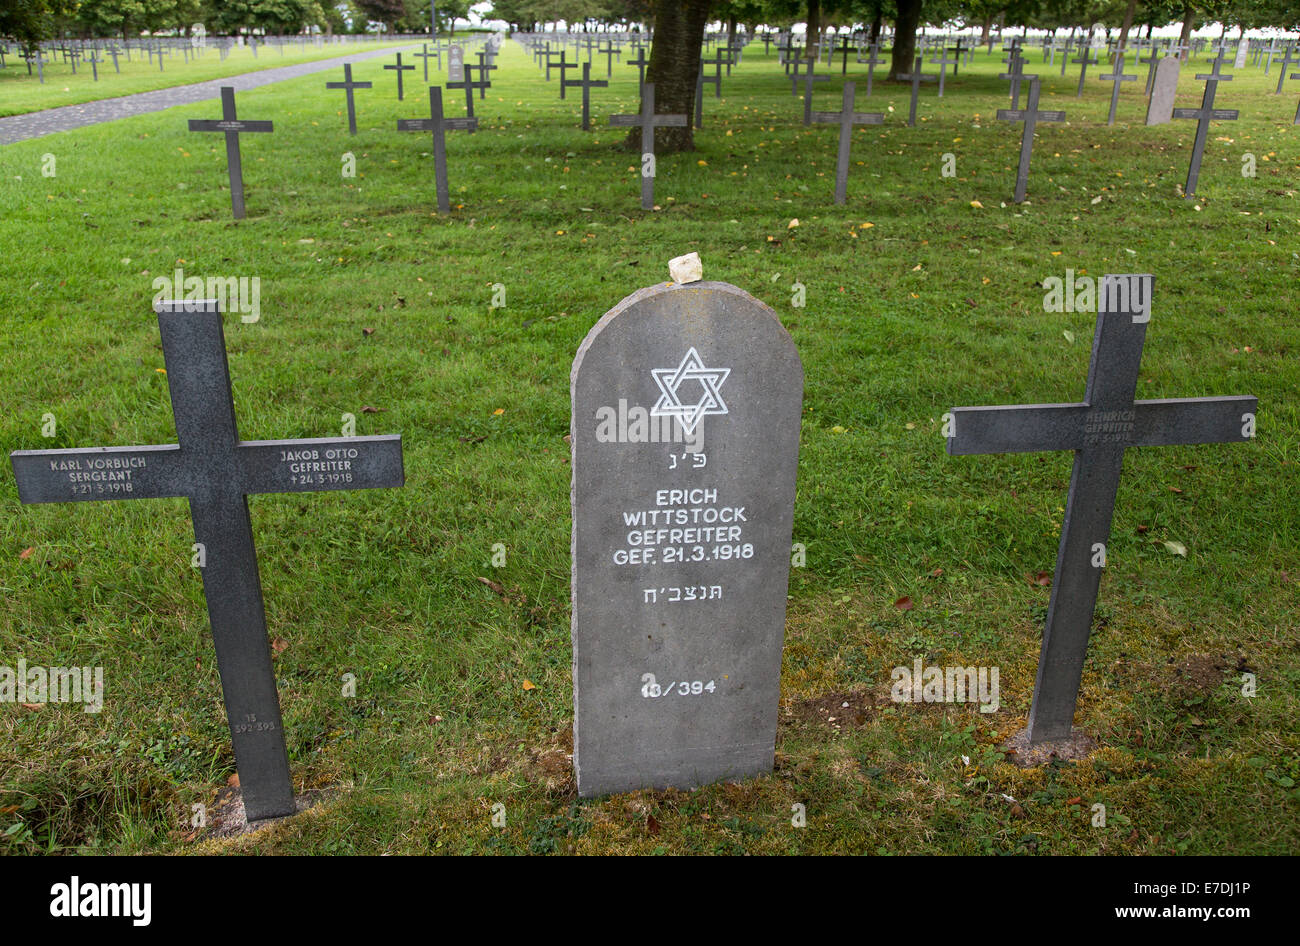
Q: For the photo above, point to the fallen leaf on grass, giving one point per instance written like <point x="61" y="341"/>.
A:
<point x="26" y="553"/>
<point x="528" y="685"/>
<point x="1042" y="579"/>
<point x="495" y="586"/>
<point x="1176" y="547"/>
<point x="904" y="603"/>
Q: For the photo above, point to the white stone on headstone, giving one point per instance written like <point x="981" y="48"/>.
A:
<point x="686" y="268"/>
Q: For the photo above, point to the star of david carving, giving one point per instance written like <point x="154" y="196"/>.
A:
<point x="670" y="381"/>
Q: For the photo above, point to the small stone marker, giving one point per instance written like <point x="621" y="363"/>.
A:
<point x="485" y="70"/>
<point x="846" y="118"/>
<point x="347" y="85"/>
<point x="1286" y="64"/>
<point x="1242" y="48"/>
<point x="425" y="55"/>
<point x="871" y="62"/>
<point x="943" y="62"/>
<point x="1203" y="116"/>
<point x="469" y="84"/>
<point x="1098" y="430"/>
<point x="1015" y="71"/>
<point x="456" y="65"/>
<point x="232" y="126"/>
<point x="682" y="520"/>
<point x="648" y="121"/>
<point x="640" y="62"/>
<point x="1117" y="77"/>
<point x="439" y="125"/>
<point x="717" y="62"/>
<point x="1163" y="92"/>
<point x="217" y="471"/>
<point x="586" y="83"/>
<point x="399" y="68"/>
<point x="916" y="78"/>
<point x="1030" y="115"/>
<point x="564" y="66"/>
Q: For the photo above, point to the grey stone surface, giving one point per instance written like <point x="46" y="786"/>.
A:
<point x="232" y="127"/>
<point x="1099" y="429"/>
<point x="438" y="125"/>
<point x="217" y="471"/>
<point x="677" y="655"/>
<point x="51" y="120"/>
<point x="1163" y="91"/>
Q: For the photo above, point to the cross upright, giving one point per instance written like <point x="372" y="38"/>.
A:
<point x="808" y="79"/>
<point x="609" y="52"/>
<point x="232" y="126"/>
<point x="94" y="61"/>
<point x="399" y="69"/>
<point x="648" y="121"/>
<point x="701" y="80"/>
<point x="1117" y="77"/>
<point x="1296" y="75"/>
<point x="957" y="49"/>
<point x="347" y="85"/>
<point x="439" y="125"/>
<point x="563" y="65"/>
<point x="425" y="55"/>
<point x="469" y="84"/>
<point x="1272" y="50"/>
<point x="1016" y="71"/>
<point x="216" y="471"/>
<point x="1286" y="64"/>
<point x="640" y="62"/>
<point x="1203" y="116"/>
<point x="1086" y="57"/>
<point x="1031" y="115"/>
<point x="943" y="62"/>
<point x="717" y="62"/>
<point x="794" y="76"/>
<point x="915" y="77"/>
<point x="871" y="62"/>
<point x="1099" y="429"/>
<point x="845" y="44"/>
<point x="586" y="83"/>
<point x="846" y="118"/>
<point x="485" y="69"/>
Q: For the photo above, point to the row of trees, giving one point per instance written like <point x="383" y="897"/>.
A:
<point x="29" y="21"/>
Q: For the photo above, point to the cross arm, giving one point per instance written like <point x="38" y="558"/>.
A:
<point x="301" y="466"/>
<point x="1016" y="428"/>
<point x="221" y="124"/>
<point x="1169" y="421"/>
<point x="95" y="473"/>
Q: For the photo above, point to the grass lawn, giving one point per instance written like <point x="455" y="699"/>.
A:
<point x="21" y="93"/>
<point x="925" y="292"/>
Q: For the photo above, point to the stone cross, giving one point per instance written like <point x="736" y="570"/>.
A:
<point x="846" y="118"/>
<point x="586" y="83"/>
<point x="845" y="44"/>
<point x="916" y="78"/>
<point x="485" y="69"/>
<point x="717" y="62"/>
<point x="1098" y="430"/>
<point x="347" y="85"/>
<point x="640" y="62"/>
<point x="871" y="62"/>
<point x="681" y="560"/>
<point x="230" y="124"/>
<point x="1272" y="50"/>
<point x="1016" y="70"/>
<point x="1086" y="57"/>
<point x="808" y="79"/>
<point x="943" y="62"/>
<point x="425" y="55"/>
<point x="94" y="61"/>
<point x="1203" y="116"/>
<point x="439" y="125"/>
<point x="609" y="52"/>
<point x="469" y="84"/>
<point x="1031" y="116"/>
<point x="1117" y="77"/>
<point x="1286" y="64"/>
<point x="648" y="121"/>
<point x="216" y="471"/>
<point x="399" y="68"/>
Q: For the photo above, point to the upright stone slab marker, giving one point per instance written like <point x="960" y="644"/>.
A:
<point x="686" y="405"/>
<point x="1098" y="430"/>
<point x="217" y="471"/>
<point x="230" y="124"/>
<point x="1164" y="90"/>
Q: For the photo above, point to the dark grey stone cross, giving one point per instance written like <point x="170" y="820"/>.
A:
<point x="439" y="125"/>
<point x="232" y="126"/>
<point x="399" y="69"/>
<point x="1098" y="430"/>
<point x="717" y="62"/>
<point x="469" y="84"/>
<point x="640" y="62"/>
<point x="425" y="55"/>
<point x="1286" y="64"/>
<point x="216" y="471"/>
<point x="871" y="62"/>
<point x="1117" y="77"/>
<point x="1016" y="71"/>
<point x="1203" y="116"/>
<point x="1031" y="115"/>
<point x="846" y="118"/>
<point x="808" y="79"/>
<point x="943" y="62"/>
<point x="586" y="83"/>
<point x="485" y="70"/>
<point x="347" y="85"/>
<point x="1085" y="57"/>
<point x="648" y="121"/>
<point x="916" y="77"/>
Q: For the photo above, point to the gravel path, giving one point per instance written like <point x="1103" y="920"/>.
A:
<point x="35" y="124"/>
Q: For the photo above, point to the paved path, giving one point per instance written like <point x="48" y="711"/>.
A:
<point x="35" y="124"/>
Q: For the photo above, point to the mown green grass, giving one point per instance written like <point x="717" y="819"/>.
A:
<point x="937" y="303"/>
<point x="21" y="93"/>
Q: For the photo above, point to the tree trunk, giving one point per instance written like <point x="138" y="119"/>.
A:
<point x="1185" y="37"/>
<point x="1128" y="24"/>
<point x="909" y="14"/>
<point x="813" y="31"/>
<point x="875" y="26"/>
<point x="673" y="67"/>
<point x="984" y="30"/>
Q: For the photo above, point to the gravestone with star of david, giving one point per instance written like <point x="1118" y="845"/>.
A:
<point x="686" y="402"/>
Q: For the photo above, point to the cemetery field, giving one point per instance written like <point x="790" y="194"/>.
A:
<point x="20" y="93"/>
<point x="925" y="292"/>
